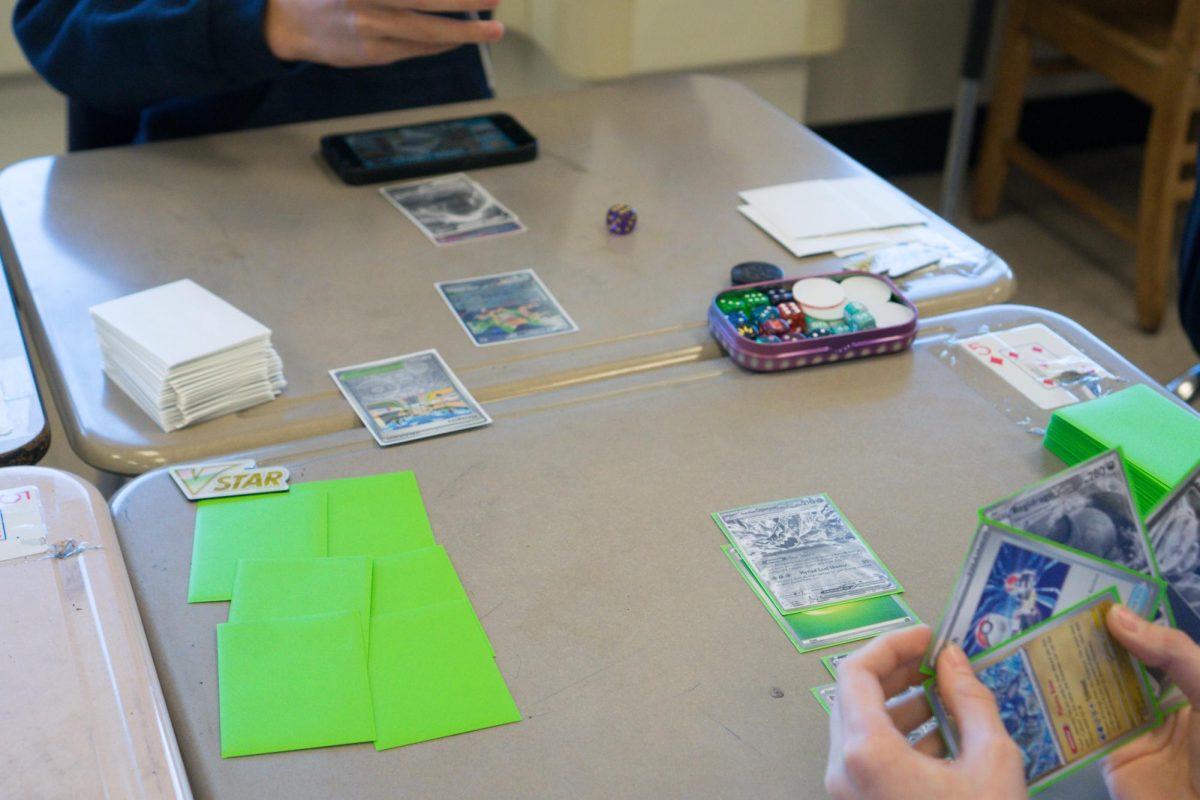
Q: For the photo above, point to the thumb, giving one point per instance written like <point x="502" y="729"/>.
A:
<point x="1159" y="646"/>
<point x="982" y="735"/>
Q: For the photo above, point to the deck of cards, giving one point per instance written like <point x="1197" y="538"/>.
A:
<point x="841" y="216"/>
<point x="813" y="572"/>
<point x="185" y="355"/>
<point x="452" y="209"/>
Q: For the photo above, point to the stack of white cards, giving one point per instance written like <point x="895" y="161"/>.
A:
<point x="841" y="216"/>
<point x="185" y="355"/>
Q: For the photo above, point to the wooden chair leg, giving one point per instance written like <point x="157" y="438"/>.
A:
<point x="1158" y="203"/>
<point x="1004" y="115"/>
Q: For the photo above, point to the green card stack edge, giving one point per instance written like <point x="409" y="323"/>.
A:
<point x="359" y="608"/>
<point x="1158" y="438"/>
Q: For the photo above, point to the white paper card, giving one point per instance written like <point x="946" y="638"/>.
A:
<point x="22" y="526"/>
<point x="178" y="322"/>
<point x="827" y="207"/>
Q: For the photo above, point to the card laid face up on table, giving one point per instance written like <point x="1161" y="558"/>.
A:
<point x="831" y="625"/>
<point x="452" y="209"/>
<point x="505" y="308"/>
<point x="1039" y="363"/>
<point x="409" y="397"/>
<point x="805" y="553"/>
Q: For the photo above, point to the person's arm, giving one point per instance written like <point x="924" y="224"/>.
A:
<point x="123" y="55"/>
<point x="869" y="758"/>
<point x="1166" y="761"/>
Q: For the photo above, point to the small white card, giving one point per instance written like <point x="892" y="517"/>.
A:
<point x="228" y="479"/>
<point x="1036" y="361"/>
<point x="834" y="206"/>
<point x="22" y="525"/>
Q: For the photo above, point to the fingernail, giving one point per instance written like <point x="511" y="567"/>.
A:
<point x="955" y="657"/>
<point x="1125" y="618"/>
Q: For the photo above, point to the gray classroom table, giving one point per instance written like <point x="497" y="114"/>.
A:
<point x="24" y="431"/>
<point x="341" y="277"/>
<point x="579" y="524"/>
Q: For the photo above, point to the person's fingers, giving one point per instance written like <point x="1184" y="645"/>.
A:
<point x="865" y="680"/>
<point x="892" y="659"/>
<point x="443" y="6"/>
<point x="1159" y="646"/>
<point x="982" y="734"/>
<point x="419" y="27"/>
<point x="908" y="709"/>
<point x="931" y="744"/>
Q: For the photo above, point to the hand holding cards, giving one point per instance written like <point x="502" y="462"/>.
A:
<point x="1031" y="609"/>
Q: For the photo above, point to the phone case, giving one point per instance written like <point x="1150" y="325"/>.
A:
<point x="772" y="356"/>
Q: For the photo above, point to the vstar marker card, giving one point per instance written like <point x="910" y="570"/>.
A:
<point x="1066" y="690"/>
<point x="409" y="397"/>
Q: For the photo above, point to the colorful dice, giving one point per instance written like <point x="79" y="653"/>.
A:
<point x="738" y="318"/>
<point x="621" y="219"/>
<point x="754" y="298"/>
<point x="749" y="331"/>
<point x="792" y="312"/>
<point x="861" y="322"/>
<point x="731" y="302"/>
<point x="761" y="314"/>
<point x="779" y="294"/>
<point x="775" y="327"/>
<point x="768" y="339"/>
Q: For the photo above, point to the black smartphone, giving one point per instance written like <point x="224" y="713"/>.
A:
<point x="428" y="148"/>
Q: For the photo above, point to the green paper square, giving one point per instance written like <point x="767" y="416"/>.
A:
<point x="285" y="525"/>
<point x="374" y="515"/>
<point x="433" y="675"/>
<point x="301" y="587"/>
<point x="412" y="579"/>
<point x="290" y="684"/>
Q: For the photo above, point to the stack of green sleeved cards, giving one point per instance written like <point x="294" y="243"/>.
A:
<point x="812" y="571"/>
<point x="1158" y="438"/>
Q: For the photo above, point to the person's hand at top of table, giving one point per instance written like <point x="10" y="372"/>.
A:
<point x="1165" y="762"/>
<point x="869" y="757"/>
<point x="363" y="33"/>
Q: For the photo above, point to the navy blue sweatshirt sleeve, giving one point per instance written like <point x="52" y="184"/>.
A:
<point x="122" y="55"/>
<point x="1189" y="274"/>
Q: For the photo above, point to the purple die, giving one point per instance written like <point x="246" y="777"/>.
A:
<point x="621" y="219"/>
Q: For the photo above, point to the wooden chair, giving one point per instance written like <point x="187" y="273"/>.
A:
<point x="1149" y="49"/>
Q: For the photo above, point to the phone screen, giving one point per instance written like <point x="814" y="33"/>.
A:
<point x="436" y="141"/>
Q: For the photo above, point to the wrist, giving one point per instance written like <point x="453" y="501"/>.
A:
<point x="285" y="41"/>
